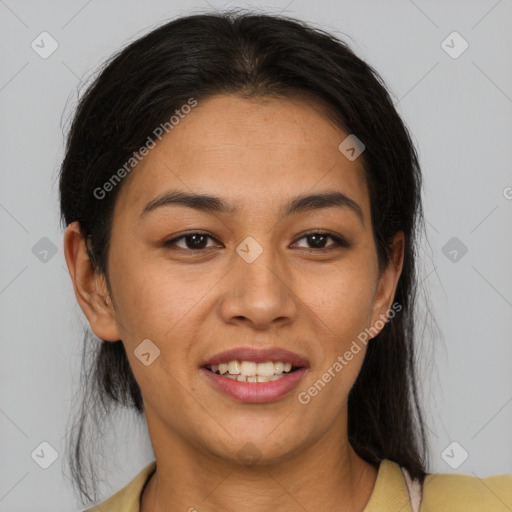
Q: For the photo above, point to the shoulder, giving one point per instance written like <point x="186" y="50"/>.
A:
<point x="128" y="498"/>
<point x="465" y="493"/>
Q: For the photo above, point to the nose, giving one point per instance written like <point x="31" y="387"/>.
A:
<point x="259" y="293"/>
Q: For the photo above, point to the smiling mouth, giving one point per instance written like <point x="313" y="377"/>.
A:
<point x="250" y="371"/>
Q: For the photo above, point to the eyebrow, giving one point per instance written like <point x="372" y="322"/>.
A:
<point x="213" y="204"/>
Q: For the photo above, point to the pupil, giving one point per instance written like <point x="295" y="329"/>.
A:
<point x="318" y="240"/>
<point x="195" y="239"/>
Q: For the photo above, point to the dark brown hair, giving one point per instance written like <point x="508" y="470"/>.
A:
<point x="252" y="55"/>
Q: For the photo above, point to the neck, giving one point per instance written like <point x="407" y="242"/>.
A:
<point x="194" y="479"/>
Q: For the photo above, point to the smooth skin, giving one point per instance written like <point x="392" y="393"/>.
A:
<point x="196" y="297"/>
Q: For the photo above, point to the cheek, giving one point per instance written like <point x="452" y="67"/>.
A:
<point x="167" y="307"/>
<point x="342" y="299"/>
<point x="344" y="310"/>
<point x="342" y="350"/>
<point x="342" y="302"/>
<point x="352" y="314"/>
<point x="153" y="302"/>
<point x="161" y="307"/>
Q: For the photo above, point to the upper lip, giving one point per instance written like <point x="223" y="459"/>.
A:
<point x="257" y="355"/>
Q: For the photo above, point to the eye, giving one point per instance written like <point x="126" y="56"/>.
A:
<point x="194" y="241"/>
<point x="318" y="241"/>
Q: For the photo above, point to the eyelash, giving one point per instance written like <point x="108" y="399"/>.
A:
<point x="339" y="241"/>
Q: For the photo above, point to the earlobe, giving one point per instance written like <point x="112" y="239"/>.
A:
<point x="90" y="286"/>
<point x="388" y="281"/>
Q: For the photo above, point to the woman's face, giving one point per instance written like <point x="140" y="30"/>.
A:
<point x="253" y="278"/>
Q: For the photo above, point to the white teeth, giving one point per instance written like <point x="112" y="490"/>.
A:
<point x="249" y="371"/>
<point x="265" y="369"/>
<point x="248" y="368"/>
<point x="278" y="367"/>
<point x="234" y="368"/>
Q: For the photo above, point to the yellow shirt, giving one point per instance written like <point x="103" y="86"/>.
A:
<point x="441" y="493"/>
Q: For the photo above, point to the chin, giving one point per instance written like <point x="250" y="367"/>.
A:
<point x="257" y="448"/>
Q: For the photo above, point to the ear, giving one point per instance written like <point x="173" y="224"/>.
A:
<point x="90" y="287"/>
<point x="388" y="282"/>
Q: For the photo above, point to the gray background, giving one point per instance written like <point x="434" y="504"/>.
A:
<point x="460" y="113"/>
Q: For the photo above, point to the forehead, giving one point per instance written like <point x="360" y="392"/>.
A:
<point x="248" y="151"/>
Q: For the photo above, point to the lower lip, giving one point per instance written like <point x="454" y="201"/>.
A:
<point x="254" y="392"/>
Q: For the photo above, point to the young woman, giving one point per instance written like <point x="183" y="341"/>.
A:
<point x="242" y="205"/>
